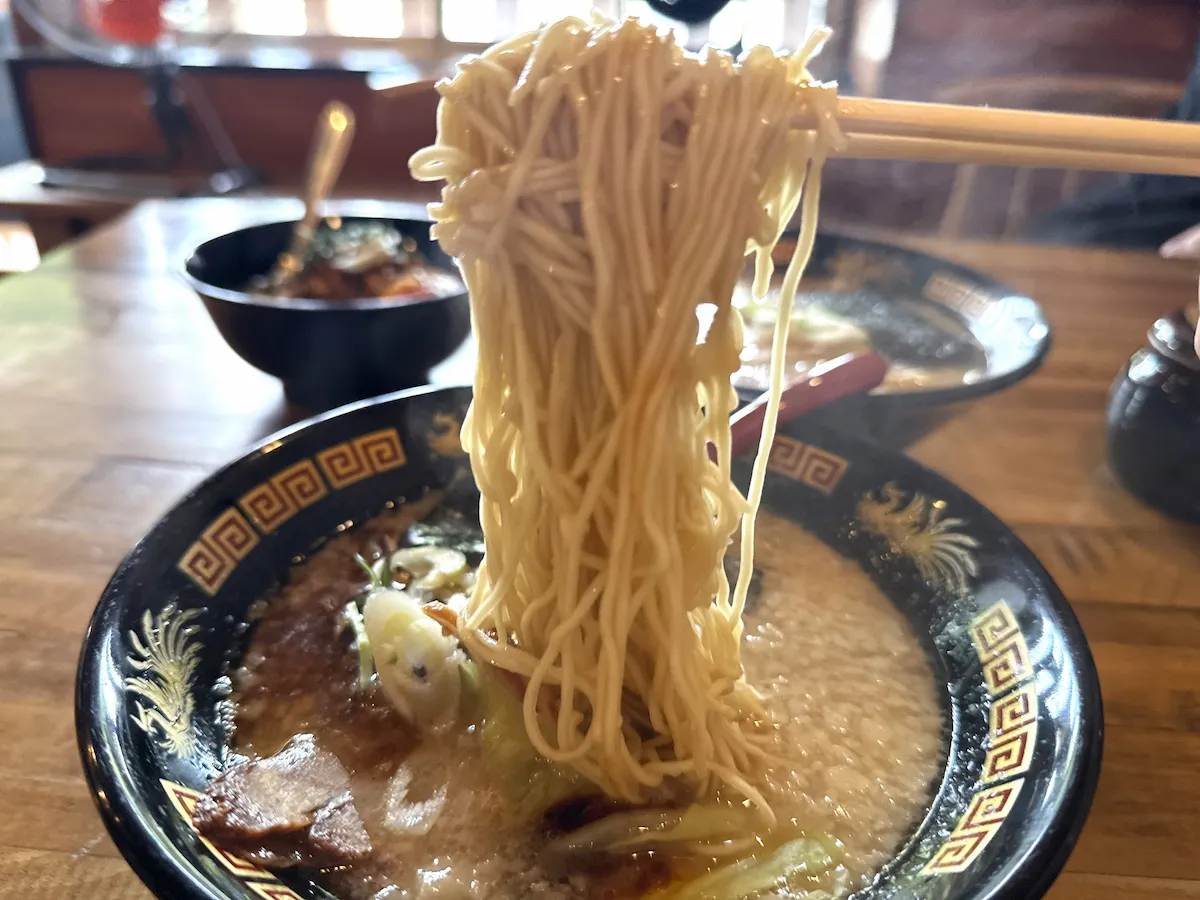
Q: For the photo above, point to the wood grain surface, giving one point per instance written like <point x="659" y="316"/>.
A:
<point x="117" y="394"/>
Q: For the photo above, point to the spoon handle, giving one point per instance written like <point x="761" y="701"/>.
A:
<point x="331" y="143"/>
<point x="854" y="373"/>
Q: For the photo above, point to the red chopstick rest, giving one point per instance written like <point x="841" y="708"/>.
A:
<point x="825" y="383"/>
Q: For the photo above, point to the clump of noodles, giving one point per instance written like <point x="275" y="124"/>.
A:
<point x="600" y="185"/>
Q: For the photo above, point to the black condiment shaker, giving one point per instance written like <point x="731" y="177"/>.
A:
<point x="1154" y="420"/>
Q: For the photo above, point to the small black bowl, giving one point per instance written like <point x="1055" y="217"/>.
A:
<point x="326" y="353"/>
<point x="1020" y="694"/>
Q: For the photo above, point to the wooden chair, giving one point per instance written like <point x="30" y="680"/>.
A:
<point x="1102" y="95"/>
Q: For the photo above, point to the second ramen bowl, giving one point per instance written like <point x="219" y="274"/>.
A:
<point x="1019" y="691"/>
<point x="327" y="352"/>
<point x="950" y="334"/>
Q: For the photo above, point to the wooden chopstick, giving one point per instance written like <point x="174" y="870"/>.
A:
<point x="941" y="132"/>
<point x="990" y="125"/>
<point x="923" y="149"/>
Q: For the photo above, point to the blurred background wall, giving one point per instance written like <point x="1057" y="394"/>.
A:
<point x="256" y="72"/>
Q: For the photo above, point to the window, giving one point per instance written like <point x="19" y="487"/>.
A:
<point x="725" y="29"/>
<point x="364" y="18"/>
<point x="778" y="23"/>
<point x="270" y="17"/>
<point x="764" y="23"/>
<point x="531" y="13"/>
<point x="470" y="21"/>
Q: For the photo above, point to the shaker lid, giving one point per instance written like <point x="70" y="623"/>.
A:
<point x="1174" y="337"/>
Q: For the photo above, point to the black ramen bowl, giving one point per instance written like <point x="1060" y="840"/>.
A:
<point x="1018" y="687"/>
<point x="326" y="353"/>
<point x="955" y="333"/>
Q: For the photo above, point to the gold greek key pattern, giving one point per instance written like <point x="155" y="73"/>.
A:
<point x="379" y="451"/>
<point x="1014" y="711"/>
<point x="1001" y="649"/>
<point x="273" y="502"/>
<point x="975" y="829"/>
<point x="990" y="807"/>
<point x="1012" y="737"/>
<point x="184" y="799"/>
<point x="1010" y="754"/>
<point x="343" y="465"/>
<point x="1008" y="667"/>
<point x="1012" y="719"/>
<point x="992" y="628"/>
<point x="225" y="543"/>
<point x="230" y="538"/>
<point x="818" y="469"/>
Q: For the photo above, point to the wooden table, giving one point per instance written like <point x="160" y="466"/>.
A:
<point x="116" y="395"/>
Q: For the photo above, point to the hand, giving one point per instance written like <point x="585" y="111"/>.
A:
<point x="1185" y="245"/>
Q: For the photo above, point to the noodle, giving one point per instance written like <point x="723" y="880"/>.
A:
<point x="601" y="184"/>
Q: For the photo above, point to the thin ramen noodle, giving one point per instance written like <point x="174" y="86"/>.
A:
<point x="601" y="184"/>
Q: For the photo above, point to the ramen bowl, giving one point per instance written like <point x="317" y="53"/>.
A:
<point x="1020" y="698"/>
<point x="949" y="333"/>
<point x="327" y="352"/>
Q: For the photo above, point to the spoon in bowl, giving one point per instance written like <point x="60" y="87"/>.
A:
<point x="331" y="143"/>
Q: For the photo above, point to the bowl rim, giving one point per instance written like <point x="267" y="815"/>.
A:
<point x="157" y="863"/>
<point x="313" y="304"/>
